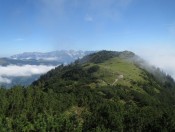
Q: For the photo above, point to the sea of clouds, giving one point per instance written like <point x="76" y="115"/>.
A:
<point x="21" y="71"/>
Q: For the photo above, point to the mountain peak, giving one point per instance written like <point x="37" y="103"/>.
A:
<point x="65" y="56"/>
<point x="104" y="55"/>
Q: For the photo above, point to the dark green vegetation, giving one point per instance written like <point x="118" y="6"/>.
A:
<point x="105" y="91"/>
<point x="24" y="81"/>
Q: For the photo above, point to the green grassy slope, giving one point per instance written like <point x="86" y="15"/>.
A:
<point x="111" y="69"/>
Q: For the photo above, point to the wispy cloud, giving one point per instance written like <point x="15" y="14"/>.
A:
<point x="125" y="3"/>
<point x="18" y="39"/>
<point x="88" y="18"/>
<point x="109" y="3"/>
<point x="63" y="8"/>
<point x="108" y="8"/>
<point x="160" y="56"/>
<point x="52" y="6"/>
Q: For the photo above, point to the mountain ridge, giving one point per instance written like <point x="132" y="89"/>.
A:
<point x="129" y="57"/>
<point x="104" y="91"/>
<point x="65" y="56"/>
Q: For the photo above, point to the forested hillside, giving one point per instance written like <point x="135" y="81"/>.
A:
<point x="104" y="91"/>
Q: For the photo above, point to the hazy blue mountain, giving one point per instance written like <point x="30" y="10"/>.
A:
<point x="37" y="64"/>
<point x="63" y="56"/>
<point x="10" y="61"/>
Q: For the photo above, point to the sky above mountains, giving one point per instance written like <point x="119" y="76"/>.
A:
<point x="46" y="25"/>
<point x="146" y="27"/>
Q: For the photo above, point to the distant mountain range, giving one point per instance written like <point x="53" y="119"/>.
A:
<point x="33" y="64"/>
<point x="62" y="56"/>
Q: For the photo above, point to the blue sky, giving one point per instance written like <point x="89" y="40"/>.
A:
<point x="46" y="25"/>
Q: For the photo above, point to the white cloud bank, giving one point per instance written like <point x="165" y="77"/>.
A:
<point x="21" y="71"/>
<point x="160" y="56"/>
<point x="4" y="80"/>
